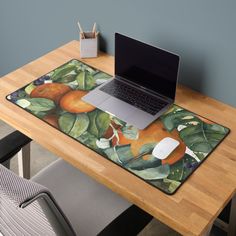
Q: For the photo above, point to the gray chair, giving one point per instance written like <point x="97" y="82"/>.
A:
<point x="61" y="200"/>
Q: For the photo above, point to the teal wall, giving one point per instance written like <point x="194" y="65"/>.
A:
<point x="202" y="32"/>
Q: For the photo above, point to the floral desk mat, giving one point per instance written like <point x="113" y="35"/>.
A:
<point x="56" y="99"/>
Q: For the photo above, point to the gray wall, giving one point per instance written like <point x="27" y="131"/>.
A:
<point x="201" y="31"/>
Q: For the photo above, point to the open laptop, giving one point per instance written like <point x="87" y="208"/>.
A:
<point x="144" y="84"/>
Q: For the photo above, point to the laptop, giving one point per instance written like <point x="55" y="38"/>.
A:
<point x="144" y="84"/>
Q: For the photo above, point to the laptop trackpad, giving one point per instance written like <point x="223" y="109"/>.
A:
<point x="117" y="107"/>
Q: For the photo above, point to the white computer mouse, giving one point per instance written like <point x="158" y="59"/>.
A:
<point x="165" y="147"/>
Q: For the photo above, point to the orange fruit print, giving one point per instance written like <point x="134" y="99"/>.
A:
<point x="72" y="102"/>
<point x="153" y="134"/>
<point x="53" y="91"/>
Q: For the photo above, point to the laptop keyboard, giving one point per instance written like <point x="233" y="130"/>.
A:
<point x="134" y="96"/>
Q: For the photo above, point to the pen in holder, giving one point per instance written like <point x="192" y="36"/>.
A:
<point x="88" y="44"/>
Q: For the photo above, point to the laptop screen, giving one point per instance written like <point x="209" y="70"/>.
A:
<point x="147" y="66"/>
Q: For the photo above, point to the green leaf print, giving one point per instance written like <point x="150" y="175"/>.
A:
<point x="85" y="81"/>
<point x="203" y="137"/>
<point x="146" y="161"/>
<point x="66" y="79"/>
<point x="99" y="122"/>
<point x="119" y="154"/>
<point x="130" y="132"/>
<point x="40" y="104"/>
<point x="73" y="124"/>
<point x="180" y="117"/>
<point x="182" y="168"/>
<point x="62" y="71"/>
<point x="155" y="173"/>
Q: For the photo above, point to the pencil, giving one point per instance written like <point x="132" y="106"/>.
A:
<point x="94" y="30"/>
<point x="94" y="27"/>
<point x="81" y="30"/>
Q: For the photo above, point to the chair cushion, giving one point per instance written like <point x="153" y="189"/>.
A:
<point x="88" y="205"/>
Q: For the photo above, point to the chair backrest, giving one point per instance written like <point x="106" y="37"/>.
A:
<point x="27" y="208"/>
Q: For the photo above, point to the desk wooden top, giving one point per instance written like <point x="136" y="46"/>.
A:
<point x="195" y="205"/>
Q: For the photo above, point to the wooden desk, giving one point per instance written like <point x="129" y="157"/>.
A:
<point x="192" y="210"/>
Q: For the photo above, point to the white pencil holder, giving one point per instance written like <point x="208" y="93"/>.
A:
<point x="88" y="45"/>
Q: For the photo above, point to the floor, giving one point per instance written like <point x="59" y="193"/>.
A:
<point x="40" y="158"/>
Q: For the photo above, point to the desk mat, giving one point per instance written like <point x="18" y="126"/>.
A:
<point x="56" y="99"/>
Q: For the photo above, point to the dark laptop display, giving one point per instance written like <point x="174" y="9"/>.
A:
<point x="144" y="84"/>
<point x="145" y="65"/>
